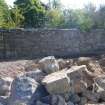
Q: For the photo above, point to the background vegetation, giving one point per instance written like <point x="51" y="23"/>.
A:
<point x="35" y="14"/>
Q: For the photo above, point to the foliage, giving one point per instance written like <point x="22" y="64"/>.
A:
<point x="3" y="12"/>
<point x="84" y="21"/>
<point x="100" y="17"/>
<point x="10" y="18"/>
<point x="70" y="18"/>
<point x="55" y="18"/>
<point x="33" y="12"/>
<point x="17" y="17"/>
<point x="13" y="18"/>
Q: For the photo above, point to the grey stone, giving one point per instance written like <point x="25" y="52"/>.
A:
<point x="37" y="75"/>
<point x="95" y="68"/>
<point x="94" y="97"/>
<point x="78" y="79"/>
<point x="66" y="96"/>
<point x="4" y="100"/>
<point x="57" y="83"/>
<point x="38" y="94"/>
<point x="83" y="101"/>
<point x="1" y="103"/>
<point x="40" y="103"/>
<point x="102" y="95"/>
<point x="53" y="100"/>
<point x="65" y="63"/>
<point x="49" y="64"/>
<point x="22" y="90"/>
<point x="83" y="60"/>
<point x="70" y="103"/>
<point x="5" y="86"/>
<point x="74" y="98"/>
<point x="18" y="102"/>
<point x="100" y="80"/>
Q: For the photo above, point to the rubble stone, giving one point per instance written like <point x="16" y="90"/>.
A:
<point x="83" y="60"/>
<point x="37" y="75"/>
<point x="22" y="90"/>
<point x="95" y="68"/>
<point x="53" y="100"/>
<point x="70" y="103"/>
<point x="57" y="83"/>
<point x="100" y="80"/>
<point x="94" y="97"/>
<point x="5" y="86"/>
<point x="49" y="64"/>
<point x="74" y="98"/>
<point x="78" y="79"/>
<point x="65" y="63"/>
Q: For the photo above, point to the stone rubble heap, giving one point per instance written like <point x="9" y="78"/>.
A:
<point x="56" y="82"/>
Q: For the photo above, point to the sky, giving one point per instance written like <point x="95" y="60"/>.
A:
<point x="74" y="4"/>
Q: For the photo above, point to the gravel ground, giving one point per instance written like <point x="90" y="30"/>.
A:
<point x="12" y="69"/>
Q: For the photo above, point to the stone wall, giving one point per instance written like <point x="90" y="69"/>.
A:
<point x="32" y="43"/>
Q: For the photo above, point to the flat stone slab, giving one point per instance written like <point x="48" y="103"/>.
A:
<point x="57" y="82"/>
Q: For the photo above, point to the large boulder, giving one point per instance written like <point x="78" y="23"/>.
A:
<point x="22" y="90"/>
<point x="80" y="79"/>
<point x="57" y="83"/>
<point x="49" y="64"/>
<point x="5" y="86"/>
<point x="51" y="100"/>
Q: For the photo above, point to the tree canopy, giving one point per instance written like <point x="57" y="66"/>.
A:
<point x="35" y="14"/>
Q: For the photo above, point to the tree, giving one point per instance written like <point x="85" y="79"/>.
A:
<point x="70" y="18"/>
<point x="9" y="17"/>
<point x="84" y="20"/>
<point x="100" y="17"/>
<point x="17" y="17"/>
<point x="33" y="12"/>
<point x="3" y="12"/>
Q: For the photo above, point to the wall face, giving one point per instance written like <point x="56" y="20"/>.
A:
<point x="60" y="42"/>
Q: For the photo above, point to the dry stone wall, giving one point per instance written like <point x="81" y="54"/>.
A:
<point x="32" y="43"/>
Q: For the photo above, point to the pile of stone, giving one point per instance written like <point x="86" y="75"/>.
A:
<point x="56" y="82"/>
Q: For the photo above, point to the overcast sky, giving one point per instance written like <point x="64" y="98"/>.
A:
<point x="74" y="4"/>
